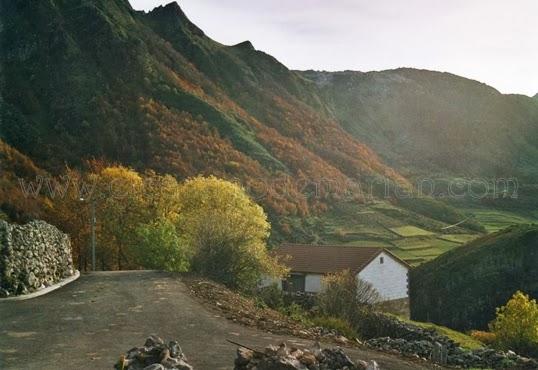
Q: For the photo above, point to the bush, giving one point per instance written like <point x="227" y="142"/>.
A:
<point x="297" y="313"/>
<point x="336" y="324"/>
<point x="343" y="294"/>
<point x="159" y="247"/>
<point x="272" y="296"/>
<point x="485" y="337"/>
<point x="227" y="233"/>
<point x="516" y="325"/>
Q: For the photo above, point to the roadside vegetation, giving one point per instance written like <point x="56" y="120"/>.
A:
<point x="348" y="307"/>
<point x="203" y="224"/>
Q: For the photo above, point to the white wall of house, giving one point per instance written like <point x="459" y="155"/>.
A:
<point x="267" y="281"/>
<point x="389" y="278"/>
<point x="312" y="283"/>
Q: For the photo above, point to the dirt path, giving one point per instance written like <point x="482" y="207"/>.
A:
<point x="89" y="323"/>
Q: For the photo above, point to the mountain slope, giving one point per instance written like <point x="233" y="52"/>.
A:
<point x="94" y="79"/>
<point x="85" y="79"/>
<point x="462" y="288"/>
<point x="431" y="123"/>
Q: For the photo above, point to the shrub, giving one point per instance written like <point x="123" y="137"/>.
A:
<point x="159" y="247"/>
<point x="272" y="296"/>
<point x="334" y="323"/>
<point x="227" y="232"/>
<point x="297" y="313"/>
<point x="485" y="337"/>
<point x="343" y="294"/>
<point x="516" y="325"/>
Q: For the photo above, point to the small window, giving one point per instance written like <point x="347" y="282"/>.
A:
<point x="294" y="283"/>
<point x="381" y="260"/>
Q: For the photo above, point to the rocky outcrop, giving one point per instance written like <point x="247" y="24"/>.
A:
<point x="454" y="354"/>
<point x="154" y="355"/>
<point x="32" y="256"/>
<point x="284" y="358"/>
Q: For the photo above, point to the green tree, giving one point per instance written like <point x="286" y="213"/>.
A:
<point x="516" y="325"/>
<point x="227" y="232"/>
<point x="160" y="247"/>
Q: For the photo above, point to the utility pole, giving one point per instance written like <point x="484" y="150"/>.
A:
<point x="93" y="221"/>
<point x="93" y="233"/>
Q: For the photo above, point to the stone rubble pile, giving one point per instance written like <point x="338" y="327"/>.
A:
<point x="32" y="256"/>
<point x="379" y="325"/>
<point x="284" y="358"/>
<point x="455" y="355"/>
<point x="154" y="355"/>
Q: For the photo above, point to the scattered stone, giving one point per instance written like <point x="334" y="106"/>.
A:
<point x="284" y="358"/>
<point x="32" y="256"/>
<point x="453" y="355"/>
<point x="154" y="355"/>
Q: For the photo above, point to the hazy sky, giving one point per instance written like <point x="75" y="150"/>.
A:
<point x="493" y="41"/>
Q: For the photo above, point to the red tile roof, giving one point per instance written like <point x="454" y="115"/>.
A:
<point x="323" y="259"/>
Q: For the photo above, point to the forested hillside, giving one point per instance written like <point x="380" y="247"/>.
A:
<point x="462" y="288"/>
<point x="87" y="84"/>
<point x="96" y="79"/>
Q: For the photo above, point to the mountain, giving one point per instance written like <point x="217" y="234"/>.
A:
<point x="96" y="79"/>
<point x="85" y="80"/>
<point x="427" y="123"/>
<point x="462" y="288"/>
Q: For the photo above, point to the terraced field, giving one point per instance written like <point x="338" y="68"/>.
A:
<point x="495" y="220"/>
<point x="409" y="231"/>
<point x="412" y="237"/>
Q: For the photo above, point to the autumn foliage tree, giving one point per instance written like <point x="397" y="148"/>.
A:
<point x="516" y="325"/>
<point x="227" y="232"/>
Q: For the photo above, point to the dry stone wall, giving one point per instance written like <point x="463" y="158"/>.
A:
<point x="32" y="256"/>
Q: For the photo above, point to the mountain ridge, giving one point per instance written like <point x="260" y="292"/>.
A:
<point x="95" y="79"/>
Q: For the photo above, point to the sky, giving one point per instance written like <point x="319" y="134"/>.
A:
<point x="492" y="41"/>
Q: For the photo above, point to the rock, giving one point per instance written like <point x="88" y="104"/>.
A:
<point x="175" y="349"/>
<point x="308" y="359"/>
<point x="283" y="358"/>
<point x="153" y="341"/>
<point x="32" y="256"/>
<point x="155" y="367"/>
<point x="372" y="366"/>
<point x="244" y="356"/>
<point x="453" y="356"/>
<point x="154" y="355"/>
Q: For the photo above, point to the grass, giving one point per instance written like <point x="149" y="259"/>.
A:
<point x="410" y="231"/>
<point x="367" y="243"/>
<point x="411" y="244"/>
<point x="495" y="220"/>
<point x="458" y="238"/>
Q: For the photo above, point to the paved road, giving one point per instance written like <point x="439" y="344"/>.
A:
<point x="89" y="323"/>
